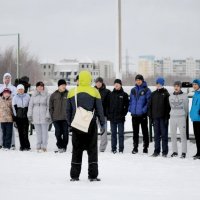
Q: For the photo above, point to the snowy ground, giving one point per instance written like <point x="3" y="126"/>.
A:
<point x="45" y="176"/>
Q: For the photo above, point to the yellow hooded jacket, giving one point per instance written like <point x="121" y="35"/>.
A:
<point x="88" y="98"/>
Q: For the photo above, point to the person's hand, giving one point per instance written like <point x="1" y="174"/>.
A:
<point x="30" y="119"/>
<point x="102" y="130"/>
<point x="48" y="119"/>
<point x="15" y="124"/>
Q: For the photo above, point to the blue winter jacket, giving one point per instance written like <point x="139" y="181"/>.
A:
<point x="195" y="109"/>
<point x="139" y="99"/>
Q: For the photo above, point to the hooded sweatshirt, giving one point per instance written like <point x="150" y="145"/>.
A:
<point x="179" y="104"/>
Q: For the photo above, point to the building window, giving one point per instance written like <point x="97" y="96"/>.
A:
<point x="44" y="66"/>
<point x="82" y="66"/>
<point x="49" y="66"/>
<point x="44" y="73"/>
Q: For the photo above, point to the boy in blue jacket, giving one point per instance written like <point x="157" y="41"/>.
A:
<point x="195" y="115"/>
<point x="139" y="99"/>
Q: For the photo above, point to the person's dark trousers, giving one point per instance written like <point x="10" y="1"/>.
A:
<point x="196" y="127"/>
<point x="7" y="129"/>
<point x="61" y="133"/>
<point x="22" y="126"/>
<point x="85" y="141"/>
<point x="161" y="133"/>
<point x="117" y="128"/>
<point x="136" y="121"/>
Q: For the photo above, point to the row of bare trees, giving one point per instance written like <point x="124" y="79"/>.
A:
<point x="28" y="64"/>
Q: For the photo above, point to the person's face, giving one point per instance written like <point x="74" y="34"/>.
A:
<point x="158" y="86"/>
<point x="20" y="91"/>
<point x="6" y="95"/>
<point x="40" y="88"/>
<point x="195" y="86"/>
<point x="117" y="86"/>
<point x="177" y="88"/>
<point x="138" y="82"/>
<point x="98" y="84"/>
<point x="62" y="87"/>
<point x="7" y="80"/>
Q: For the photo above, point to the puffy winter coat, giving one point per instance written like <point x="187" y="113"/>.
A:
<point x="20" y="104"/>
<point x="104" y="98"/>
<point x="87" y="97"/>
<point x="38" y="108"/>
<point x="57" y="105"/>
<point x="118" y="106"/>
<point x="195" y="109"/>
<point x="159" y="106"/>
<point x="139" y="99"/>
<point x="6" y="112"/>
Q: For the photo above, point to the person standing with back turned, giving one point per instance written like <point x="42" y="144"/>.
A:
<point x="89" y="99"/>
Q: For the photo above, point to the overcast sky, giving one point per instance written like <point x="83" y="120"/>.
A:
<point x="57" y="29"/>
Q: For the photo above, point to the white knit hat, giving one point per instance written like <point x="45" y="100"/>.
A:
<point x="20" y="86"/>
<point x="7" y="74"/>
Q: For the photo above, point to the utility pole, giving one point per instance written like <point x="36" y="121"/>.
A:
<point x="119" y="63"/>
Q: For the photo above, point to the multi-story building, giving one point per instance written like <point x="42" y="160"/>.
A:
<point x="48" y="70"/>
<point x="146" y="65"/>
<point x="106" y="69"/>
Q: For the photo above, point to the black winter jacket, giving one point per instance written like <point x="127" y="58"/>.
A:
<point x="118" y="106"/>
<point x="159" y="106"/>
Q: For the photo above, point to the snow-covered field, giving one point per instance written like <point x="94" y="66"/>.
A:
<point x="45" y="176"/>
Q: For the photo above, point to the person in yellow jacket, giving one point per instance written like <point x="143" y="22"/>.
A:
<point x="88" y="98"/>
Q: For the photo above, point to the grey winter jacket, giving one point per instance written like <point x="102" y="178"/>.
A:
<point x="38" y="108"/>
<point x="57" y="105"/>
<point x="179" y="105"/>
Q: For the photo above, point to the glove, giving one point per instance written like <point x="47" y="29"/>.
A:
<point x="102" y="130"/>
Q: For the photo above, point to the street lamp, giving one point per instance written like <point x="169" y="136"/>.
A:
<point x="119" y="61"/>
<point x="18" y="49"/>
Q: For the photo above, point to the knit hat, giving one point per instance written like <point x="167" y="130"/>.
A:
<point x="118" y="81"/>
<point x="6" y="74"/>
<point x="196" y="81"/>
<point x="99" y="79"/>
<point x="178" y="83"/>
<point x="6" y="90"/>
<point x="61" y="82"/>
<point x="140" y="77"/>
<point x="20" y="86"/>
<point x="160" y="81"/>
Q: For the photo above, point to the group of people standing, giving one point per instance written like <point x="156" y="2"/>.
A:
<point x="41" y="109"/>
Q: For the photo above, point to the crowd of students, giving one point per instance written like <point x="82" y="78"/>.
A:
<point x="41" y="109"/>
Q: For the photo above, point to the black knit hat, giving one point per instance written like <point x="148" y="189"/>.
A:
<point x="178" y="83"/>
<point x="118" y="81"/>
<point x="61" y="82"/>
<point x="140" y="77"/>
<point x="99" y="79"/>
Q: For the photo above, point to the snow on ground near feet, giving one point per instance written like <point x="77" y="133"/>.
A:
<point x="45" y="176"/>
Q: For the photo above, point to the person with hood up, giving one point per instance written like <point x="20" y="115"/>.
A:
<point x="6" y="117"/>
<point x="100" y="85"/>
<point x="38" y="114"/>
<point x="195" y="115"/>
<point x="7" y="83"/>
<point x="139" y="99"/>
<point x="87" y="97"/>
